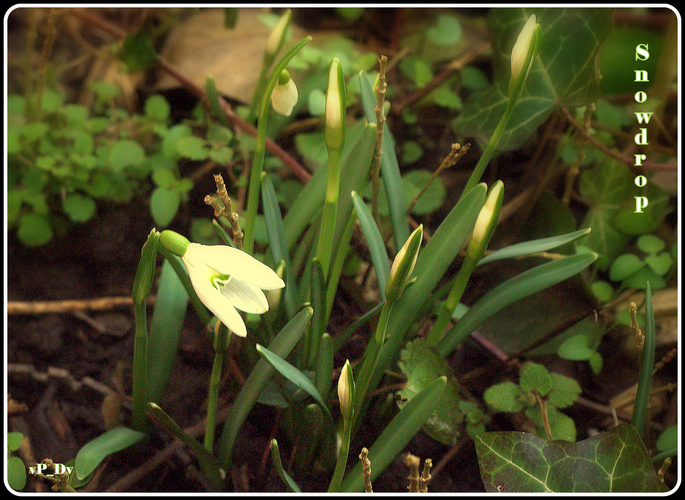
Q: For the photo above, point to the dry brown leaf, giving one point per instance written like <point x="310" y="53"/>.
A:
<point x="203" y="46"/>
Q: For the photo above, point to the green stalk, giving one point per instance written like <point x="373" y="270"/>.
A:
<point x="371" y="355"/>
<point x="646" y="367"/>
<point x="490" y="148"/>
<point x="341" y="463"/>
<point x="450" y="305"/>
<point x="221" y="341"/>
<point x="260" y="148"/>
<point x="330" y="209"/>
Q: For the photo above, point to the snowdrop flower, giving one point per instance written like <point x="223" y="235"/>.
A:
<point x="335" y="106"/>
<point x="225" y="279"/>
<point x="284" y="95"/>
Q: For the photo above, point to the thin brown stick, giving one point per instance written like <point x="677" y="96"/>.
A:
<point x="647" y="165"/>
<point x="64" y="306"/>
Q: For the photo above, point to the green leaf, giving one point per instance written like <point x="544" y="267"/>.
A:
<point x="193" y="148"/>
<point x="529" y="247"/>
<point x="535" y="377"/>
<point x="565" y="391"/>
<point x="281" y="345"/>
<point x="16" y="473"/>
<point x="447" y="31"/>
<point x="650" y="243"/>
<point x="390" y="169"/>
<point x="505" y="396"/>
<point x="612" y="462"/>
<point x="624" y="266"/>
<point x="138" y="51"/>
<point x="401" y="429"/>
<point x="166" y="326"/>
<point x="126" y="153"/>
<point x="34" y="230"/>
<point x="157" y="108"/>
<point x="294" y="375"/>
<point x="510" y="291"/>
<point x="164" y="204"/>
<point x="95" y="451"/>
<point x="374" y="240"/>
<point x="571" y="38"/>
<point x="422" y="365"/>
<point x="431" y="266"/>
<point x="431" y="199"/>
<point x="79" y="208"/>
<point x="576" y="348"/>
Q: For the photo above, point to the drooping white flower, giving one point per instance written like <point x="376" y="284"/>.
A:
<point x="225" y="279"/>
<point x="284" y="95"/>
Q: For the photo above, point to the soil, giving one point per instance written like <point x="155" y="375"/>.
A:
<point x="69" y="371"/>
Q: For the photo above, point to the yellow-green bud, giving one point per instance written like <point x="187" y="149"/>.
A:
<point x="346" y="391"/>
<point x="403" y="265"/>
<point x="174" y="242"/>
<point x="486" y="221"/>
<point x="335" y="106"/>
<point x="284" y="95"/>
<point x="523" y="52"/>
<point x="279" y="34"/>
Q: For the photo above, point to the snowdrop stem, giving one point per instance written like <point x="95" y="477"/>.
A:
<point x="260" y="147"/>
<point x="369" y="362"/>
<point x="222" y="338"/>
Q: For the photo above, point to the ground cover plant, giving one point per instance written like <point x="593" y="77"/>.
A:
<point x="433" y="255"/>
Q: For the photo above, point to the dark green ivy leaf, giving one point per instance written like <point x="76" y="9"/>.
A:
<point x="611" y="462"/>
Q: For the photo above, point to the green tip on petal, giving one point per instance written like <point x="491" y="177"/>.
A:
<point x="174" y="242"/>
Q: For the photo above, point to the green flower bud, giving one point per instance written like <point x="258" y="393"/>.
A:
<point x="524" y="51"/>
<point x="403" y="266"/>
<point x="174" y="242"/>
<point x="278" y="36"/>
<point x="486" y="222"/>
<point x="346" y="391"/>
<point x="335" y="106"/>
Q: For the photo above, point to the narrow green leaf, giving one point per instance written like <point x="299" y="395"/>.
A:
<point x="374" y="240"/>
<point x="281" y="345"/>
<point x="294" y="375"/>
<point x="521" y="286"/>
<point x="205" y="459"/>
<point x="277" y="243"/>
<point x="320" y="316"/>
<point x="95" y="451"/>
<point x="529" y="247"/>
<point x="276" y="458"/>
<point x="401" y="429"/>
<point x="165" y="331"/>
<point x="646" y="366"/>
<point x="324" y="366"/>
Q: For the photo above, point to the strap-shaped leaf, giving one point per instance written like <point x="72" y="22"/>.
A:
<point x="510" y="291"/>
<point x="95" y="451"/>
<point x="397" y="434"/>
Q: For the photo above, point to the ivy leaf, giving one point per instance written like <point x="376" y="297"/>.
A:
<point x="422" y="365"/>
<point x="564" y="73"/>
<point x="611" y="462"/>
